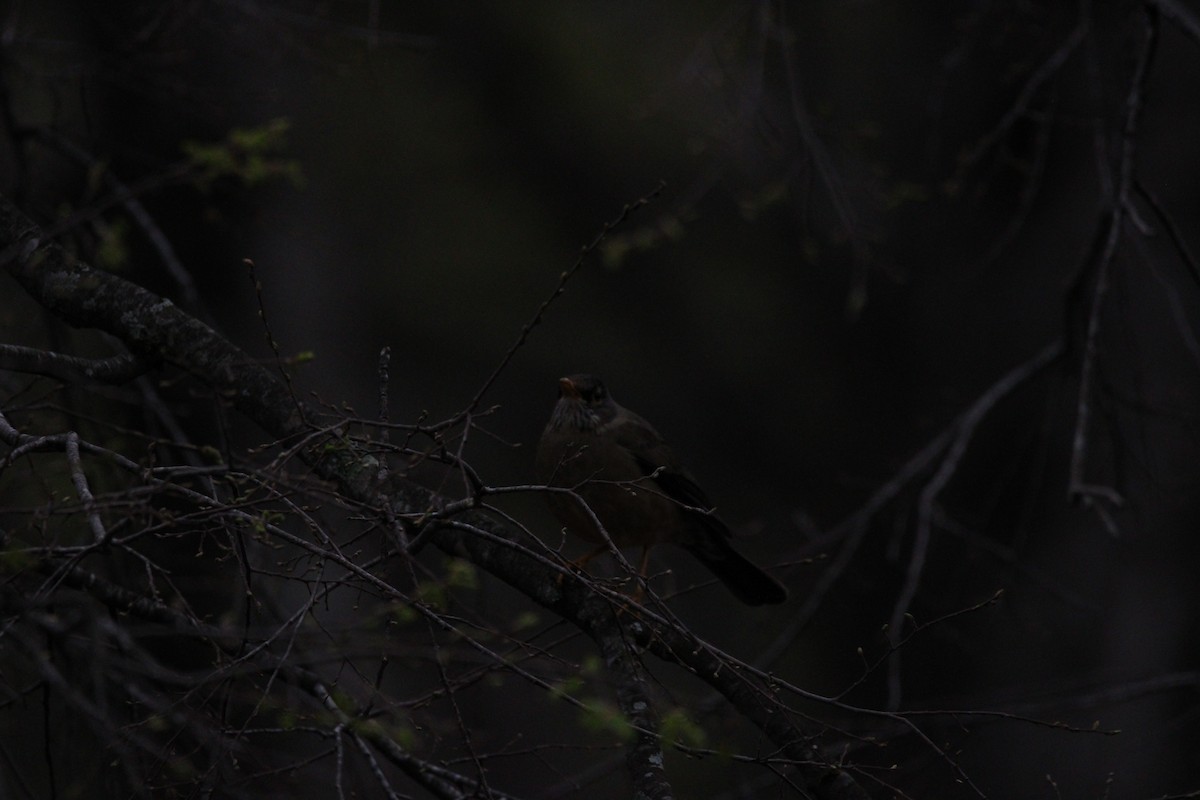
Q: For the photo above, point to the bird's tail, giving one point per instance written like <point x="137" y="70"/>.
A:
<point x="748" y="582"/>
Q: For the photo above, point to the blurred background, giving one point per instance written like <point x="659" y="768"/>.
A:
<point x="861" y="216"/>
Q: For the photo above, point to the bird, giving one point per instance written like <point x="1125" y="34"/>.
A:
<point x="630" y="481"/>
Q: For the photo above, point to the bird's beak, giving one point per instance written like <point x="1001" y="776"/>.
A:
<point x="567" y="388"/>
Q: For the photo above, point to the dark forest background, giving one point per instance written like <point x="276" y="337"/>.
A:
<point x="912" y="288"/>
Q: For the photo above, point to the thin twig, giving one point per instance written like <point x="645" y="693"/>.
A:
<point x="1079" y="489"/>
<point x="964" y="430"/>
<point x="563" y="279"/>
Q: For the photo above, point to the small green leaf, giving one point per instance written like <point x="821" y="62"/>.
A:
<point x="677" y="726"/>
<point x="251" y="155"/>
<point x="601" y="716"/>
<point x="526" y="620"/>
<point x="461" y="574"/>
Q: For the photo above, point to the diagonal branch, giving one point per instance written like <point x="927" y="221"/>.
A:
<point x="1092" y="495"/>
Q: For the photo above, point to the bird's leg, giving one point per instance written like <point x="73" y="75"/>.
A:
<point x="579" y="563"/>
<point x="639" y="592"/>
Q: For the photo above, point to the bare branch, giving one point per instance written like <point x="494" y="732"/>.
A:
<point x="1080" y="489"/>
<point x="71" y="369"/>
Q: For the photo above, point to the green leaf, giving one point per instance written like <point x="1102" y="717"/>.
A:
<point x="251" y="155"/>
<point x="677" y="726"/>
<point x="601" y="716"/>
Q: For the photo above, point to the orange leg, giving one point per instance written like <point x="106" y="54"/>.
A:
<point x="579" y="563"/>
<point x="643" y="564"/>
<point x="638" y="593"/>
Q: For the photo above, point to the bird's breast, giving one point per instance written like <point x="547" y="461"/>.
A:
<point x="609" y="487"/>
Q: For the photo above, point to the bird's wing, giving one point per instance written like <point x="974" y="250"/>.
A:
<point x="655" y="458"/>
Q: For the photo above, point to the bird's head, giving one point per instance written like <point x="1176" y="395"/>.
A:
<point x="583" y="404"/>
